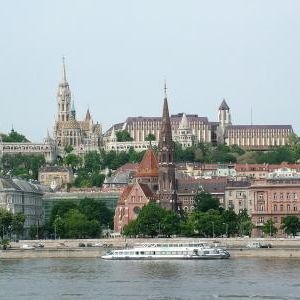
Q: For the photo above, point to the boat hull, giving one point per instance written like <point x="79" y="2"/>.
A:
<point x="207" y="257"/>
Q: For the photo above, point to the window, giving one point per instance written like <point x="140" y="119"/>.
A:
<point x="288" y="196"/>
<point x="275" y="207"/>
<point x="295" y="196"/>
<point x="295" y="208"/>
<point x="281" y="207"/>
<point x="288" y="207"/>
<point x="274" y="196"/>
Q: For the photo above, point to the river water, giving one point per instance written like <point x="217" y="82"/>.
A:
<point x="236" y="278"/>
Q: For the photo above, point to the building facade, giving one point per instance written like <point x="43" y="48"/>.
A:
<point x="190" y="128"/>
<point x="47" y="148"/>
<point x="56" y="177"/>
<point x="139" y="193"/>
<point x="18" y="195"/>
<point x="83" y="135"/>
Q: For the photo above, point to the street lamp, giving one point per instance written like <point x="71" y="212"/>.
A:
<point x="226" y="229"/>
<point x="57" y="218"/>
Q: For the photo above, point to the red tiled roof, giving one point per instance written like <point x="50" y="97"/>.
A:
<point x="147" y="191"/>
<point x="129" y="167"/>
<point x="148" y="166"/>
<point x="125" y="194"/>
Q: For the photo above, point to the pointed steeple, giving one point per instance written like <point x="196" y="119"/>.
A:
<point x="113" y="136"/>
<point x="224" y="105"/>
<point x="165" y="131"/>
<point x="184" y="122"/>
<point x="87" y="115"/>
<point x="64" y="76"/>
<point x="148" y="167"/>
<point x="166" y="149"/>
<point x="73" y="110"/>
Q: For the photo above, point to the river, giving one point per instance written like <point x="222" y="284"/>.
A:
<point x="236" y="278"/>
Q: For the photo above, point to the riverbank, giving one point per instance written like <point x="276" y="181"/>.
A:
<point x="96" y="253"/>
<point x="94" y="248"/>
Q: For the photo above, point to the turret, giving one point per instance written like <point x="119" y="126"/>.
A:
<point x="63" y="97"/>
<point x="224" y="114"/>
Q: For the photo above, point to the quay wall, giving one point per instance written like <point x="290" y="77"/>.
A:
<point x="97" y="252"/>
<point x="123" y="242"/>
<point x="94" y="248"/>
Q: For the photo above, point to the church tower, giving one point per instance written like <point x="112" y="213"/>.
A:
<point x="224" y="114"/>
<point x="63" y="98"/>
<point x="224" y="118"/>
<point x="166" y="149"/>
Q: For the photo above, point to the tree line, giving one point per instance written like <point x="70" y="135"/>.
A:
<point x="207" y="220"/>
<point x="89" y="169"/>
<point x="85" y="219"/>
<point x="11" y="225"/>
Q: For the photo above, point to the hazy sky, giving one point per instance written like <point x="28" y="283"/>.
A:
<point x="118" y="54"/>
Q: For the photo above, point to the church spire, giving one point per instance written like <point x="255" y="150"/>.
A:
<point x="64" y="76"/>
<point x="63" y="97"/>
<point x="166" y="149"/>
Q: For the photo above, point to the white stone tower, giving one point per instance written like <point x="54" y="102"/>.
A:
<point x="224" y="118"/>
<point x="63" y="98"/>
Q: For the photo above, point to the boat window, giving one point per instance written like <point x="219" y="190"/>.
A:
<point x="206" y="252"/>
<point x="136" y="253"/>
<point x="142" y="252"/>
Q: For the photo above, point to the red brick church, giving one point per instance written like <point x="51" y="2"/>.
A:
<point x="154" y="181"/>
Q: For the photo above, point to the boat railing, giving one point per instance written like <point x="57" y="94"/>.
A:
<point x="175" y="245"/>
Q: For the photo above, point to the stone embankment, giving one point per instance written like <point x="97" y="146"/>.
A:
<point x="94" y="248"/>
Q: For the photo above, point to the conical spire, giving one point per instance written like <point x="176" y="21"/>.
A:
<point x="64" y="76"/>
<point x="73" y="110"/>
<point x="148" y="166"/>
<point x="87" y="115"/>
<point x="224" y="105"/>
<point x="184" y="122"/>
<point x="166" y="131"/>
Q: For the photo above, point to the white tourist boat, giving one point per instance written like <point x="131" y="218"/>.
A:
<point x="192" y="250"/>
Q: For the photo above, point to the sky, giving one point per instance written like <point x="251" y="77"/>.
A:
<point x="118" y="54"/>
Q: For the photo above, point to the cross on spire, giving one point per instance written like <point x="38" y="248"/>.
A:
<point x="165" y="88"/>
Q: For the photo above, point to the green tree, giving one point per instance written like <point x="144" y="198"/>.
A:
<point x="149" y="218"/>
<point x="230" y="222"/>
<point x="60" y="209"/>
<point x="131" y="229"/>
<point x="291" y="225"/>
<point x="150" y="137"/>
<point x="205" y="224"/>
<point x="77" y="225"/>
<point x="205" y="201"/>
<point x="244" y="223"/>
<point x="93" y="161"/>
<point x="269" y="228"/>
<point x="18" y="221"/>
<point x="95" y="210"/>
<point x="170" y="224"/>
<point x="14" y="137"/>
<point x="6" y="219"/>
<point x="68" y="149"/>
<point x="123" y="136"/>
<point x="24" y="166"/>
<point x="72" y="160"/>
